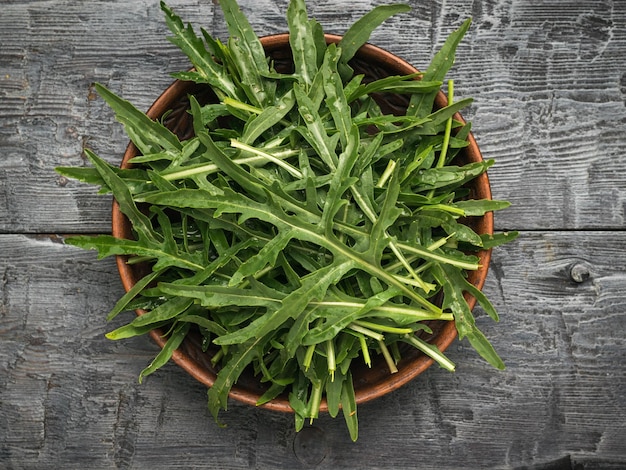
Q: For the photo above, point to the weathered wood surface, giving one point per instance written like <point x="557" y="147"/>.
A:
<point x="71" y="398"/>
<point x="549" y="82"/>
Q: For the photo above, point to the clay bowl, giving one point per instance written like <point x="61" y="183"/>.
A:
<point x="369" y="383"/>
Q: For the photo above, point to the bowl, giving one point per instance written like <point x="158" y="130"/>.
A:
<point x="369" y="383"/>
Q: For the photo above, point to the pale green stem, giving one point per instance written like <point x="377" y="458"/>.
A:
<point x="365" y="350"/>
<point x="330" y="358"/>
<point x="439" y="243"/>
<point x="315" y="400"/>
<point x="308" y="356"/>
<point x="260" y="153"/>
<point x="447" y="208"/>
<point x="426" y="286"/>
<point x="212" y="168"/>
<point x="446" y="136"/>
<point x="217" y="356"/>
<point x="388" y="359"/>
<point x="242" y="106"/>
<point x="441" y="258"/>
<point x="386" y="174"/>
<point x="419" y="314"/>
<point x="431" y="351"/>
<point x="383" y="328"/>
<point x="366" y="331"/>
<point x="418" y="280"/>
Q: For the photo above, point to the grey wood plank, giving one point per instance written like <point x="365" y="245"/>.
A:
<point x="69" y="398"/>
<point x="549" y="85"/>
<point x="547" y="78"/>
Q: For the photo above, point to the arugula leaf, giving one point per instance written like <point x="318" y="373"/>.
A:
<point x="240" y="355"/>
<point x="453" y="285"/>
<point x="348" y="407"/>
<point x="422" y="104"/>
<point x="497" y="239"/>
<point x="174" y="341"/>
<point x="139" y="286"/>
<point x="130" y="331"/>
<point x="248" y="56"/>
<point x="303" y="41"/>
<point x="478" y="207"/>
<point x="270" y="116"/>
<point x="360" y="31"/>
<point x="149" y="136"/>
<point x="313" y="287"/>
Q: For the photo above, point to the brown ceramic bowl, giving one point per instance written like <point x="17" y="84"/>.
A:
<point x="369" y="383"/>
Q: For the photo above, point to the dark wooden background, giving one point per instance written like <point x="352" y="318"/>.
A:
<point x="549" y="82"/>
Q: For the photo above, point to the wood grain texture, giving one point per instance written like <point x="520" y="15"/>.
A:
<point x="548" y="81"/>
<point x="70" y="397"/>
<point x="549" y="84"/>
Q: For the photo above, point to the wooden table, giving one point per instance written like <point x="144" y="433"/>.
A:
<point x="549" y="82"/>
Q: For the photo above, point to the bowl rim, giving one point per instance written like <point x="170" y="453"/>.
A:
<point x="407" y="371"/>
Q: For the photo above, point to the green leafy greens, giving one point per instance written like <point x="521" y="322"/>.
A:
<point x="312" y="229"/>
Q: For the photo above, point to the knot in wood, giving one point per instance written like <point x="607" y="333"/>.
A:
<point x="579" y="272"/>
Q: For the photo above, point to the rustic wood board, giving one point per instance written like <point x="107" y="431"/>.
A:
<point x="70" y="397"/>
<point x="549" y="84"/>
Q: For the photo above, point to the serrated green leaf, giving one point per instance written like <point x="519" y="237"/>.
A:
<point x="336" y="101"/>
<point x="450" y="176"/>
<point x="130" y="331"/>
<point x="422" y="104"/>
<point x="315" y="133"/>
<point x="248" y="56"/>
<point x="454" y="284"/>
<point x="478" y="207"/>
<point x="241" y="356"/>
<point x="360" y="31"/>
<point x="140" y="285"/>
<point x="348" y="407"/>
<point x="313" y="287"/>
<point x="265" y="257"/>
<point x="405" y="84"/>
<point x="141" y="223"/>
<point x="302" y="41"/>
<point x="166" y="311"/>
<point x="149" y="136"/>
<point x="497" y="239"/>
<point x="270" y="116"/>
<point x="173" y="342"/>
<point x="107" y="245"/>
<point x="206" y="69"/>
<point x="215" y="296"/>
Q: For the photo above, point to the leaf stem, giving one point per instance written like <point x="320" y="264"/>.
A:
<point x="383" y="328"/>
<point x="260" y="153"/>
<point x="446" y="136"/>
<point x="430" y="350"/>
<point x="386" y="174"/>
<point x="387" y="355"/>
<point x="366" y="331"/>
<point x="241" y="106"/>
<point x="365" y="351"/>
<point x="425" y="253"/>
<point x="439" y="243"/>
<point x="308" y="357"/>
<point x="330" y="358"/>
<point x="315" y="400"/>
